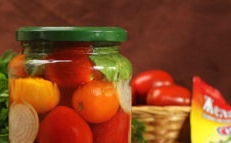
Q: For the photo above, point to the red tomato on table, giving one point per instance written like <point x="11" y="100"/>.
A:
<point x="64" y="125"/>
<point x="142" y="82"/>
<point x="169" y="95"/>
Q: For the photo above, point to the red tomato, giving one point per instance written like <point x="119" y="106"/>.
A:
<point x="64" y="125"/>
<point x="169" y="95"/>
<point x="116" y="130"/>
<point x="142" y="82"/>
<point x="69" y="67"/>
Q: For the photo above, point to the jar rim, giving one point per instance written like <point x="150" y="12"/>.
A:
<point x="71" y="33"/>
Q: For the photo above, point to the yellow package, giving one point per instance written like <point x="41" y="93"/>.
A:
<point x="210" y="116"/>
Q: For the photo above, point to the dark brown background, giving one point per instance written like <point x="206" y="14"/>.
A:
<point x="183" y="37"/>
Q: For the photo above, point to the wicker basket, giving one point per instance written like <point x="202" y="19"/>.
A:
<point x="163" y="123"/>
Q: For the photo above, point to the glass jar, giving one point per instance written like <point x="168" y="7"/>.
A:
<point x="70" y="84"/>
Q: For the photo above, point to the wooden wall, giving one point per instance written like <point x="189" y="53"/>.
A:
<point x="183" y="37"/>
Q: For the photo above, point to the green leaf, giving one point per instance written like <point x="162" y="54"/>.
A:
<point x="5" y="59"/>
<point x="3" y="114"/>
<point x="113" y="65"/>
<point x="8" y="55"/>
<point x="138" y="129"/>
<point x="34" y="69"/>
<point x="35" y="57"/>
<point x="4" y="138"/>
<point x="4" y="93"/>
<point x="3" y="83"/>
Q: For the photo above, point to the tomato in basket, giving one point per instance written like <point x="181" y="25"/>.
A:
<point x="142" y="82"/>
<point x="169" y="95"/>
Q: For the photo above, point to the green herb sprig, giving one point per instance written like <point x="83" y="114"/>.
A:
<point x="4" y="93"/>
<point x="138" y="129"/>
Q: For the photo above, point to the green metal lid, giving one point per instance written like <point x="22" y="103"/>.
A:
<point x="110" y="34"/>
